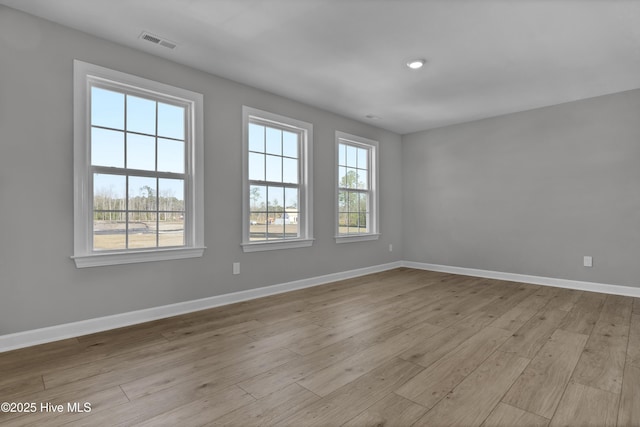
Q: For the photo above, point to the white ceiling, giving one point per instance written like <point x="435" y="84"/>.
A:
<point x="484" y="57"/>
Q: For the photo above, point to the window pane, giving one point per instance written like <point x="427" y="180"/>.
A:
<point x="290" y="170"/>
<point x="108" y="192"/>
<point x="108" y="223"/>
<point x="141" y="115"/>
<point x="363" y="158"/>
<point x="343" y="223"/>
<point x="171" y="229"/>
<point x="353" y="201"/>
<point x="290" y="218"/>
<point x="142" y="230"/>
<point x="141" y="152"/>
<point x="274" y="168"/>
<point x="274" y="230"/>
<point x="142" y="193"/>
<point x="290" y="144"/>
<point x="364" y="222"/>
<point x="291" y="198"/>
<point x="352" y="156"/>
<point x="258" y="215"/>
<point x="256" y="138"/>
<point x="353" y="222"/>
<point x="109" y="235"/>
<point x="342" y="177"/>
<point x="107" y="148"/>
<point x="363" y="204"/>
<point x="258" y="226"/>
<point x="257" y="198"/>
<point x="170" y="121"/>
<point x="256" y="166"/>
<point x="107" y="108"/>
<point x="171" y="193"/>
<point x="170" y="156"/>
<point x="343" y="201"/>
<point x="291" y="225"/>
<point x="342" y="154"/>
<point x="276" y="227"/>
<point x="275" y="199"/>
<point x="274" y="141"/>
<point x="351" y="179"/>
<point x="142" y="221"/>
<point x="363" y="179"/>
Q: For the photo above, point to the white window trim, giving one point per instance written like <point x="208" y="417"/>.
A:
<point x="375" y="203"/>
<point x="84" y="256"/>
<point x="306" y="175"/>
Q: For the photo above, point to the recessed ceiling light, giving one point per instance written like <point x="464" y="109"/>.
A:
<point x="416" y="64"/>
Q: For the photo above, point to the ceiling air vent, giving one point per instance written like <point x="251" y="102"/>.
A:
<point x="157" y="40"/>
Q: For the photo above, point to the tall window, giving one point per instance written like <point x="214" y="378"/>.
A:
<point x="356" y="188"/>
<point x="136" y="169"/>
<point x="277" y="187"/>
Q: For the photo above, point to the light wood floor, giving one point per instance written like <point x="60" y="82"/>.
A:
<point x="398" y="348"/>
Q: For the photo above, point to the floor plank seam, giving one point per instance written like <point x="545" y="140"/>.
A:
<point x="124" y="392"/>
<point x="512" y="385"/>
<point x="248" y="392"/>
<point x="309" y="390"/>
<point x="624" y="366"/>
<point x="571" y="379"/>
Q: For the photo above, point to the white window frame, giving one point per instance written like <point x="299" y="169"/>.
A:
<point x="85" y="75"/>
<point x="305" y="180"/>
<point x="374" y="206"/>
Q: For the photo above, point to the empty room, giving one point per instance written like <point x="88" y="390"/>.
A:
<point x="319" y="213"/>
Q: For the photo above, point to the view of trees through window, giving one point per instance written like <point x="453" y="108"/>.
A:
<point x="138" y="164"/>
<point x="353" y="189"/>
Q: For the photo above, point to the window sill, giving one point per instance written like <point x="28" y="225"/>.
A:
<point x="116" y="258"/>
<point x="357" y="238"/>
<point x="276" y="245"/>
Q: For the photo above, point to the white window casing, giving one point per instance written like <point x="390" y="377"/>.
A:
<point x="270" y="143"/>
<point x="191" y="178"/>
<point x="356" y="221"/>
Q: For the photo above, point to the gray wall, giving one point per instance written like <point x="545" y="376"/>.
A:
<point x="39" y="283"/>
<point x="530" y="193"/>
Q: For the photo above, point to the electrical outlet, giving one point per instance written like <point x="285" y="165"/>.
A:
<point x="236" y="268"/>
<point x="390" y="247"/>
<point x="588" y="261"/>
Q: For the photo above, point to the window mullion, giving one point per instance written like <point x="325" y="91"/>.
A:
<point x="126" y="191"/>
<point x="273" y="184"/>
<point x="108" y="170"/>
<point x="126" y="213"/>
<point x="158" y="184"/>
<point x="137" y="172"/>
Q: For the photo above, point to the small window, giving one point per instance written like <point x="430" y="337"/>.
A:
<point x="277" y="181"/>
<point x="356" y="188"/>
<point x="138" y="177"/>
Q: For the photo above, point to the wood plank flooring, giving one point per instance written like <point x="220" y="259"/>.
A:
<point x="399" y="348"/>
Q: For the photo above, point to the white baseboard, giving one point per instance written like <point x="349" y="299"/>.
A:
<point x="604" y="288"/>
<point x="89" y="326"/>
